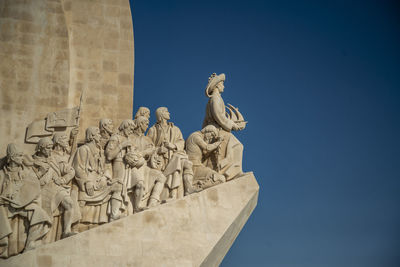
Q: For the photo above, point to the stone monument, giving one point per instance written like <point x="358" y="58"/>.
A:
<point x="76" y="194"/>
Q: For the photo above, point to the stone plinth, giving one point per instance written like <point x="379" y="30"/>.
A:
<point x="197" y="230"/>
<point x="51" y="50"/>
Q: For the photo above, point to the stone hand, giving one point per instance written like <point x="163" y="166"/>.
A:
<point x="44" y="180"/>
<point x="126" y="144"/>
<point x="42" y="167"/>
<point x="162" y="150"/>
<point x="74" y="132"/>
<point x="59" y="181"/>
<point x="169" y="145"/>
<point x="90" y="188"/>
<point x="235" y="127"/>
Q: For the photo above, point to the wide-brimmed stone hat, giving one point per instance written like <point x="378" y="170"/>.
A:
<point x="213" y="81"/>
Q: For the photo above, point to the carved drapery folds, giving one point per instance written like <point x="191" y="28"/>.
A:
<point x="65" y="188"/>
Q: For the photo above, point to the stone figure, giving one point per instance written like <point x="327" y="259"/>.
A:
<point x="115" y="151"/>
<point x="199" y="147"/>
<point x="228" y="160"/>
<point x="61" y="147"/>
<point x="145" y="182"/>
<point x="140" y="141"/>
<point x="94" y="189"/>
<point x="143" y="111"/>
<point x="62" y="156"/>
<point x="55" y="174"/>
<point x="63" y="187"/>
<point x="106" y="127"/>
<point x="176" y="167"/>
<point x="20" y="198"/>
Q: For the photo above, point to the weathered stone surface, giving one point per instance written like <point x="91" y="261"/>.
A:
<point x="51" y="50"/>
<point x="197" y="230"/>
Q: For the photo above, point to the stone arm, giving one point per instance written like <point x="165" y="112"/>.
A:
<point x="80" y="166"/>
<point x="179" y="142"/>
<point x="152" y="134"/>
<point x="43" y="171"/>
<point x="40" y="168"/>
<point x="73" y="135"/>
<point x="67" y="174"/>
<point x="149" y="150"/>
<point x="217" y="109"/>
<point x="205" y="147"/>
<point x="2" y="183"/>
<point x="113" y="148"/>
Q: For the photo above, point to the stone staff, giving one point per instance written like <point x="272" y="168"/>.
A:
<point x="74" y="144"/>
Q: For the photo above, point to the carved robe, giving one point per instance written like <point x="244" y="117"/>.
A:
<point x="89" y="167"/>
<point x="53" y="193"/>
<point x="197" y="151"/>
<point x="19" y="196"/>
<point x="143" y="143"/>
<point x="173" y="161"/>
<point x="148" y="177"/>
<point x="229" y="159"/>
<point x="171" y="134"/>
<point x="118" y="165"/>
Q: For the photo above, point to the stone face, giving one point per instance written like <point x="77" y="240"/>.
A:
<point x="51" y="50"/>
<point x="196" y="230"/>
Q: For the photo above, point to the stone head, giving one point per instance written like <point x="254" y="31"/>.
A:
<point x="126" y="127"/>
<point x="209" y="132"/>
<point x="215" y="82"/>
<point x="162" y="113"/>
<point x="143" y="111"/>
<point x="61" y="139"/>
<point x="106" y="125"/>
<point x="44" y="147"/>
<point x="14" y="155"/>
<point x="142" y="123"/>
<point x="92" y="134"/>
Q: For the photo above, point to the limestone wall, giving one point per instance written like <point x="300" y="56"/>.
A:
<point x="51" y="49"/>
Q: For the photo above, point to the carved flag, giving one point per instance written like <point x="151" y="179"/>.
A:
<point x="45" y="127"/>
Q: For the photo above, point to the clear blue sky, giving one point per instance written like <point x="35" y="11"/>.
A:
<point x="319" y="83"/>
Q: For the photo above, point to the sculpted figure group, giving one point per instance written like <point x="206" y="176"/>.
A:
<point x="62" y="190"/>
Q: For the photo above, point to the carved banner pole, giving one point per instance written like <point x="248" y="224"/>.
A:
<point x="74" y="144"/>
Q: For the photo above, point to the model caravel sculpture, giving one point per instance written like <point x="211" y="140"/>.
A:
<point x="63" y="189"/>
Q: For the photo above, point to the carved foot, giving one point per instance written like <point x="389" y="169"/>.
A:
<point x="114" y="218"/>
<point x="153" y="202"/>
<point x="68" y="234"/>
<point x="140" y="209"/>
<point x="31" y="245"/>
<point x="193" y="190"/>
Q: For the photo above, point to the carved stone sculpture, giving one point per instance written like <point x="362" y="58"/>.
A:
<point x="143" y="111"/>
<point x="176" y="167"/>
<point x="62" y="156"/>
<point x="145" y="182"/>
<point x="115" y="151"/>
<point x="63" y="189"/>
<point x="55" y="174"/>
<point x="94" y="185"/>
<point x="228" y="160"/>
<point x="200" y="146"/>
<point x="20" y="199"/>
<point x="106" y="127"/>
<point x="140" y="141"/>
